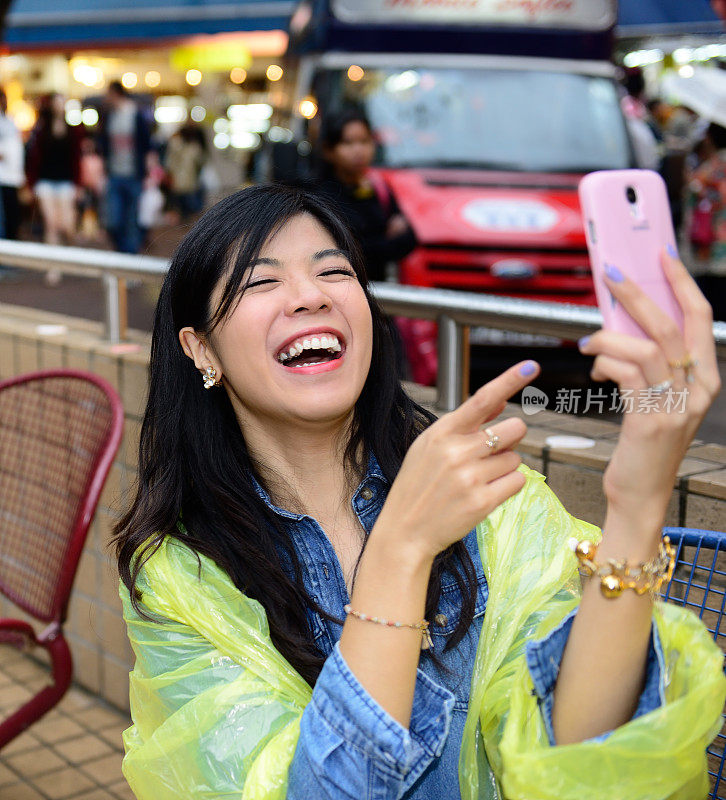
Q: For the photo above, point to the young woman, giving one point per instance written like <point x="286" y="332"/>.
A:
<point x="303" y="585"/>
<point x="54" y="152"/>
<point x="347" y="149"/>
<point x="53" y="170"/>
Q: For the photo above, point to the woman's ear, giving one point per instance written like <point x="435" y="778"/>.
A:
<point x="194" y="346"/>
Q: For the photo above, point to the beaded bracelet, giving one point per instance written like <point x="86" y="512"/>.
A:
<point x="616" y="575"/>
<point x="423" y="626"/>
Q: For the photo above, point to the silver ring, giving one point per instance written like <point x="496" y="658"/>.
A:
<point x="660" y="388"/>
<point x="492" y="441"/>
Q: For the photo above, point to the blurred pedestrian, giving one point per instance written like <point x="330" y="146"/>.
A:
<point x="125" y="140"/>
<point x="635" y="111"/>
<point x="368" y="206"/>
<point x="186" y="155"/>
<point x="93" y="184"/>
<point x="347" y="149"/>
<point x="12" y="170"/>
<point x="707" y="224"/>
<point x="54" y="172"/>
<point x="151" y="202"/>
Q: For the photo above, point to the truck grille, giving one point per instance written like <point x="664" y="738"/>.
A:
<point x="561" y="274"/>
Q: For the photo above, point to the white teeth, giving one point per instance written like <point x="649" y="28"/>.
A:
<point x="325" y="342"/>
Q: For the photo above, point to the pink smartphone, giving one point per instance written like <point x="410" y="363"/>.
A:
<point x="628" y="223"/>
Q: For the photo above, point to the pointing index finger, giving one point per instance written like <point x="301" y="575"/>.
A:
<point x="478" y="408"/>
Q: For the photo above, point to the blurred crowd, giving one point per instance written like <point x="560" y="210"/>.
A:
<point x="67" y="186"/>
<point x="690" y="154"/>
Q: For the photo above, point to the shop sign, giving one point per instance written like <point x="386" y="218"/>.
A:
<point x="567" y="14"/>
<point x="217" y="57"/>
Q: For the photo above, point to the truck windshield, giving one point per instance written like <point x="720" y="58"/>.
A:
<point x="490" y="118"/>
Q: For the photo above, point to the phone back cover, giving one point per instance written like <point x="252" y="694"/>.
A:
<point x="629" y="238"/>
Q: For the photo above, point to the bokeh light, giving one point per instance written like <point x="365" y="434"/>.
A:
<point x="274" y="72"/>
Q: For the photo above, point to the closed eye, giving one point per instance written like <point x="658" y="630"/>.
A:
<point x="260" y="282"/>
<point x="339" y="271"/>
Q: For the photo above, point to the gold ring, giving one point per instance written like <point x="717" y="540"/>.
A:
<point x="686" y="364"/>
<point x="492" y="441"/>
<point x="683" y="363"/>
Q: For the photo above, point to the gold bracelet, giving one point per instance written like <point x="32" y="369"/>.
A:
<point x="617" y="575"/>
<point x="423" y="626"/>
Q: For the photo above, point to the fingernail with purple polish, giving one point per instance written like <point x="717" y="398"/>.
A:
<point x="583" y="342"/>
<point x="527" y="368"/>
<point x="614" y="273"/>
<point x="672" y="252"/>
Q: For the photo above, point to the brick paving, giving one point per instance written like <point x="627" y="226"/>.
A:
<point x="73" y="753"/>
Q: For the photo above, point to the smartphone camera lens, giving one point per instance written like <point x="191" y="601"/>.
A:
<point x="631" y="195"/>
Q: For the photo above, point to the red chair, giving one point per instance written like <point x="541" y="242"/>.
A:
<point x="59" y="433"/>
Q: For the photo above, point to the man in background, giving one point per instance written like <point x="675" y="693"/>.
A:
<point x="125" y="140"/>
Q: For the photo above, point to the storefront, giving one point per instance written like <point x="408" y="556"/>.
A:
<point x="669" y="35"/>
<point x="218" y="64"/>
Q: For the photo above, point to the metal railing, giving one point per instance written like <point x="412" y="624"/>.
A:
<point x="454" y="311"/>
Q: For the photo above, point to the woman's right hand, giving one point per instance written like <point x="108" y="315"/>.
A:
<point x="397" y="226"/>
<point x="450" y="479"/>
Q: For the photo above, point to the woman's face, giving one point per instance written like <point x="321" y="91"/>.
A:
<point x="297" y="347"/>
<point x="354" y="153"/>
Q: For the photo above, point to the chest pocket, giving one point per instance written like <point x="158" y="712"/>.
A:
<point x="449" y="611"/>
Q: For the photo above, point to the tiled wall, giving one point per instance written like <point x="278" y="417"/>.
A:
<point x="95" y="629"/>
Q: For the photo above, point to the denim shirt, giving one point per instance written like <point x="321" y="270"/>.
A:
<point x="349" y="746"/>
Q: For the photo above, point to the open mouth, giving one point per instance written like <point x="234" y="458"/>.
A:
<point x="310" y="351"/>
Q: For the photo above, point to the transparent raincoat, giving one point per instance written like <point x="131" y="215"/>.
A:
<point x="217" y="709"/>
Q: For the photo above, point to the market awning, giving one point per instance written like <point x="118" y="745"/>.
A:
<point x="43" y="24"/>
<point x="653" y="17"/>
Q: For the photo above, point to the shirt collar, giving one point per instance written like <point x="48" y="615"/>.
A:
<point x="373" y="472"/>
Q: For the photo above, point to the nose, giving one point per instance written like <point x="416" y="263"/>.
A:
<point x="307" y="296"/>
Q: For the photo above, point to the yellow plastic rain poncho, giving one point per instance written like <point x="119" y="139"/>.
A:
<point x="217" y="708"/>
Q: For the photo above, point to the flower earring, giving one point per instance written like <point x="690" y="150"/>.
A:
<point x="210" y="378"/>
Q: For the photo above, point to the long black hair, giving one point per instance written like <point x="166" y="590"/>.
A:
<point x="193" y="460"/>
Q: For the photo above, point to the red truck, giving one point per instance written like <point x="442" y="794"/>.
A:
<point x="488" y="112"/>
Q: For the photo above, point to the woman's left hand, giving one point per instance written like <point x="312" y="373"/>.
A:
<point x="658" y="429"/>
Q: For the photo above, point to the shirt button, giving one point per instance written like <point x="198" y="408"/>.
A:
<point x="441" y="620"/>
<point x="366" y="493"/>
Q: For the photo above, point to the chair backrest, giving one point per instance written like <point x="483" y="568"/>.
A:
<point x="59" y="432"/>
<point x="699" y="583"/>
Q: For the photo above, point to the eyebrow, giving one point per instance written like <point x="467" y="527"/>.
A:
<point x="319" y="256"/>
<point x="333" y="251"/>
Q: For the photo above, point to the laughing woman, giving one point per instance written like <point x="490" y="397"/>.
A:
<point x="332" y="595"/>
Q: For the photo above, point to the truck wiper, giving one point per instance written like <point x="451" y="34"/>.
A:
<point x="502" y="166"/>
<point x="571" y="168"/>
